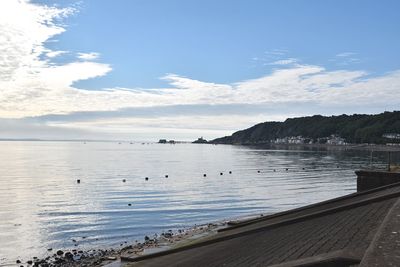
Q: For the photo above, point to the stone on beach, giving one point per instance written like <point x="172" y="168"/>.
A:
<point x="60" y="252"/>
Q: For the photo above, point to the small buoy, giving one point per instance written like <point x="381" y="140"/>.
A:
<point x="78" y="181"/>
<point x="287" y="169"/>
<point x="221" y="173"/>
<point x="303" y="168"/>
<point x="204" y="175"/>
<point x="337" y="166"/>
<point x="230" y="172"/>
<point x="123" y="180"/>
<point x="147" y="178"/>
<point x="129" y="204"/>
<point x="258" y="171"/>
<point x="166" y="176"/>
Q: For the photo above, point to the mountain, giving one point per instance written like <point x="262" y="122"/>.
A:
<point x="357" y="128"/>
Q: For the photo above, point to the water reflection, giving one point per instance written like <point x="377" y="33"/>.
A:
<point x="42" y="206"/>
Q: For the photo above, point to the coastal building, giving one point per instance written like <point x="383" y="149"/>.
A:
<point x="391" y="135"/>
<point x="335" y="140"/>
<point x="280" y="140"/>
<point x="296" y="140"/>
<point x="289" y="140"/>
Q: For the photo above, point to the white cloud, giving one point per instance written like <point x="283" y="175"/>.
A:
<point x="346" y="58"/>
<point x="88" y="56"/>
<point x="32" y="86"/>
<point x="276" y="52"/>
<point x="53" y="54"/>
<point x="346" y="54"/>
<point x="287" y="61"/>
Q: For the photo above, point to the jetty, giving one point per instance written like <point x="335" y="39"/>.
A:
<point x="359" y="229"/>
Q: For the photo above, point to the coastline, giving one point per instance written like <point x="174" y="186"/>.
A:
<point x="354" y="147"/>
<point x="111" y="257"/>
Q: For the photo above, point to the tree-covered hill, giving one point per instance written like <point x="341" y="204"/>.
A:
<point x="353" y="128"/>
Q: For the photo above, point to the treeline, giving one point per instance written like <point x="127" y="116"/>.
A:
<point x="355" y="128"/>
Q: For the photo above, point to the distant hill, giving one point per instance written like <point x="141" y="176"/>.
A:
<point x="353" y="128"/>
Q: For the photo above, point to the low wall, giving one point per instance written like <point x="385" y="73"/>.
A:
<point x="372" y="179"/>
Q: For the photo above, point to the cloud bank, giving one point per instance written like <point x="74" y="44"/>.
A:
<point x="32" y="85"/>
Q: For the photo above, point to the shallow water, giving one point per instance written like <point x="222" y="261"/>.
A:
<point x="42" y="206"/>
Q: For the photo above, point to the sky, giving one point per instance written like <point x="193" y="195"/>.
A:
<point x="142" y="70"/>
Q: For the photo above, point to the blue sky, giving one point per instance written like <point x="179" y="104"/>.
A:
<point x="219" y="40"/>
<point x="187" y="68"/>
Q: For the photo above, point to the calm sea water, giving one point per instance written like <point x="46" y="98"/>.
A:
<point x="42" y="206"/>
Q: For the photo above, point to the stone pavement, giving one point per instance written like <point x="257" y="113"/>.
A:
<point x="339" y="232"/>
<point x="385" y="248"/>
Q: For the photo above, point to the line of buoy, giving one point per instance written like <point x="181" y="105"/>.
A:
<point x="204" y="175"/>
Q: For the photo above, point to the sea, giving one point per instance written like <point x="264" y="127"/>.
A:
<point x="43" y="206"/>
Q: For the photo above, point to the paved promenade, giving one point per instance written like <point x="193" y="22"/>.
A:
<point x="360" y="229"/>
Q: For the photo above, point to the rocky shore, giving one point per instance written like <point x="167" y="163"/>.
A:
<point x="112" y="257"/>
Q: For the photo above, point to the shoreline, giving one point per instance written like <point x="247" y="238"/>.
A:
<point x="353" y="147"/>
<point x="111" y="256"/>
